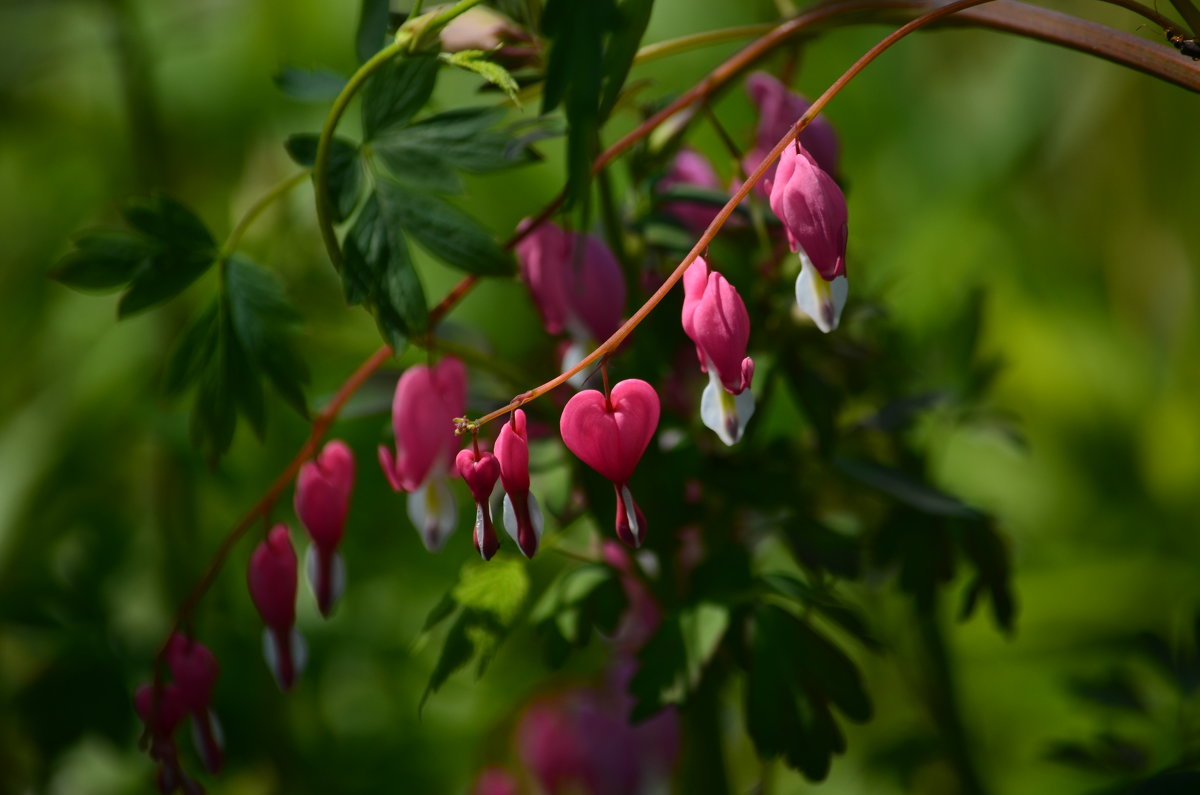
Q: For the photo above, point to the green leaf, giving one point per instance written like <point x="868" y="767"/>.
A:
<point x="837" y="611"/>
<point x="461" y="138"/>
<point x="794" y="675"/>
<point x="183" y="251"/>
<point x="477" y="61"/>
<point x="583" y="598"/>
<point x="102" y="260"/>
<point x="310" y="85"/>
<point x="345" y="169"/>
<point x="498" y="586"/>
<point x="906" y="489"/>
<point x="379" y="272"/>
<point x="447" y="232"/>
<point x="194" y="352"/>
<point x="622" y="47"/>
<point x="418" y="167"/>
<point x="671" y="662"/>
<point x="263" y="320"/>
<point x="372" y="28"/>
<point x="396" y="92"/>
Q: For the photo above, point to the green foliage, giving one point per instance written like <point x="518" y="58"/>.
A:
<point x="672" y="662"/>
<point x="396" y="92"/>
<point x="580" y="600"/>
<point x="796" y="676"/>
<point x="168" y="250"/>
<point x="487" y="599"/>
<point x="310" y="85"/>
<point x="592" y="48"/>
<point x="477" y="61"/>
<point x="345" y="170"/>
<point x="372" y="28"/>
<point x="242" y="338"/>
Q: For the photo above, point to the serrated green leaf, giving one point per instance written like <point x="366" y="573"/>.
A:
<point x="161" y="278"/>
<point x="477" y="61"/>
<point x="194" y="352"/>
<point x="396" y="92"/>
<point x="169" y="223"/>
<point x="345" y="169"/>
<point x="372" y="28"/>
<point x="446" y="231"/>
<point x="183" y="250"/>
<point x="462" y="138"/>
<point x="498" y="586"/>
<point x="310" y="85"/>
<point x="418" y="167"/>
<point x="102" y="260"/>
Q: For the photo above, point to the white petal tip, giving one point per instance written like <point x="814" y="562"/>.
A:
<point x="726" y="414"/>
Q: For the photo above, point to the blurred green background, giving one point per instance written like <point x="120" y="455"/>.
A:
<point x="1062" y="187"/>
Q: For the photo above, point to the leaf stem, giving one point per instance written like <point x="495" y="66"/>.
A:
<point x="258" y="208"/>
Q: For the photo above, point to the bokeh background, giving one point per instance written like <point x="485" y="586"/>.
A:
<point x="1061" y="189"/>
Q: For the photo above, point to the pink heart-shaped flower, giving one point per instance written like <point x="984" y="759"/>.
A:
<point x="611" y="435"/>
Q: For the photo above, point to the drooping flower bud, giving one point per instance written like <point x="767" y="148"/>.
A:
<point x="715" y="318"/>
<point x="609" y="434"/>
<point x="481" y="470"/>
<point x="778" y="110"/>
<point x="481" y="28"/>
<point x="813" y="211"/>
<point x="161" y="709"/>
<point x="576" y="284"/>
<point x="272" y="582"/>
<point x="195" y="671"/>
<point x="427" y="401"/>
<point x="522" y="514"/>
<point x="322" y="500"/>
<point x="691" y="168"/>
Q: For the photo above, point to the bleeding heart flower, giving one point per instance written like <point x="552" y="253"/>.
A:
<point x="272" y="582"/>
<point x="322" y="500"/>
<point x="522" y="515"/>
<point x="481" y="470"/>
<point x="778" y="110"/>
<point x="195" y="671"/>
<point x="161" y="709"/>
<point x="715" y="317"/>
<point x="426" y="403"/>
<point x="820" y="300"/>
<point x="813" y="211"/>
<point x="609" y="435"/>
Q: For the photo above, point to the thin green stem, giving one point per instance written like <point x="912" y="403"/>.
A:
<point x="258" y="208"/>
<point x="321" y="163"/>
<point x="661" y="49"/>
<point x="612" y="343"/>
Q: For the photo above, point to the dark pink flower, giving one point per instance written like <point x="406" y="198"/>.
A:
<point x="481" y="470"/>
<point x="427" y="401"/>
<point x="161" y="710"/>
<point x="522" y="515"/>
<point x="813" y="211"/>
<point x="609" y="434"/>
<point x="778" y="110"/>
<point x="195" y="671"/>
<point x="715" y="318"/>
<point x="322" y="500"/>
<point x="272" y="582"/>
<point x="691" y="168"/>
<point x="575" y="281"/>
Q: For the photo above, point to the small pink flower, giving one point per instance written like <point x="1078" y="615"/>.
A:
<point x="481" y="470"/>
<point x="778" y="110"/>
<point x="161" y="710"/>
<point x="522" y="515"/>
<point x="691" y="168"/>
<point x="322" y="500"/>
<point x="426" y="403"/>
<point x="272" y="582"/>
<point x="715" y="317"/>
<point x="195" y="671"/>
<point x="609" y="434"/>
<point x="813" y="211"/>
<point x="575" y="281"/>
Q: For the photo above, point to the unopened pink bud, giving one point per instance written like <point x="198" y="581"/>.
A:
<point x="427" y="401"/>
<point x="813" y="211"/>
<point x="610" y="435"/>
<point x="322" y="501"/>
<point x="715" y="317"/>
<point x="691" y="168"/>
<point x="272" y="581"/>
<point x="522" y="514"/>
<point x="481" y="471"/>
